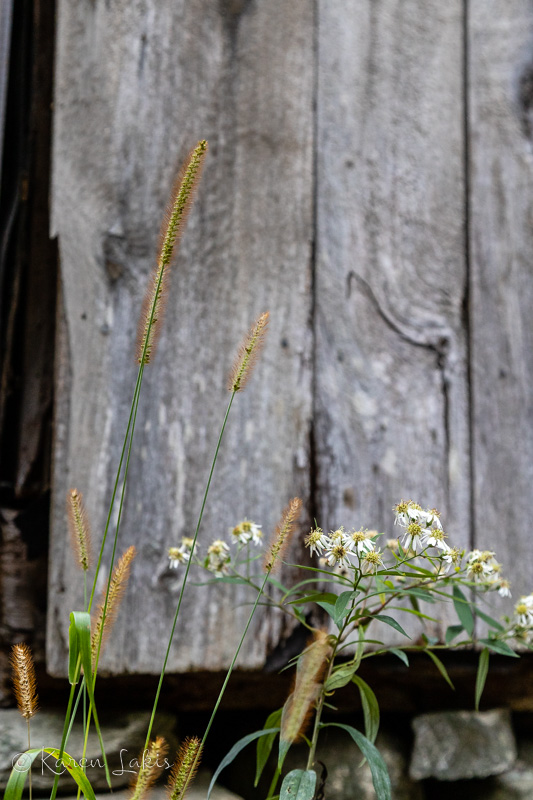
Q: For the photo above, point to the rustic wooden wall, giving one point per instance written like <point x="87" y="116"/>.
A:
<point x="368" y="183"/>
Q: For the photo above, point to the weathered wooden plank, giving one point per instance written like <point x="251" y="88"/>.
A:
<point x="391" y="355"/>
<point x="138" y="84"/>
<point x="500" y="96"/>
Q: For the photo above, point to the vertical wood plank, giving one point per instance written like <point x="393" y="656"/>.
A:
<point x="500" y="122"/>
<point x="137" y="85"/>
<point x="391" y="355"/>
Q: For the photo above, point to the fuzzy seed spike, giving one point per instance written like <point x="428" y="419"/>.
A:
<point x="185" y="767"/>
<point x="173" y="225"/>
<point x="282" y="534"/>
<point x="80" y="532"/>
<point x="24" y="682"/>
<point x="299" y="706"/>
<point x="117" y="587"/>
<point x="152" y="761"/>
<point x="248" y="354"/>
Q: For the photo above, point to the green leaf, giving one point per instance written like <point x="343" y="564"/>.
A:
<point x="378" y="768"/>
<point x="79" y="636"/>
<point x="452" y="631"/>
<point x="341" y="676"/>
<point x="489" y="620"/>
<point x="325" y="597"/>
<point x="298" y="784"/>
<point x="328" y="608"/>
<point x="265" y="743"/>
<point x="481" y="677"/>
<point x="17" y="779"/>
<point x="463" y="610"/>
<point x="392" y="622"/>
<point x="499" y="647"/>
<point x="235" y="750"/>
<point x="370" y="708"/>
<point x="413" y="611"/>
<point x="441" y="668"/>
<point x="400" y="654"/>
<point x="341" y="607"/>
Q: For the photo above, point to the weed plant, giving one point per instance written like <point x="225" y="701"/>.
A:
<point x="359" y="578"/>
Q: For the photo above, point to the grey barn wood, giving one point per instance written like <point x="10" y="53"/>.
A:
<point x="368" y="182"/>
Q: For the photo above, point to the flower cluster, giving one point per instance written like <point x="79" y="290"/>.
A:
<point x="423" y="528"/>
<point x="523" y="620"/>
<point x="218" y="558"/>
<point x="247" y="531"/>
<point x="482" y="567"/>
<point x="342" y="549"/>
<point x="180" y="555"/>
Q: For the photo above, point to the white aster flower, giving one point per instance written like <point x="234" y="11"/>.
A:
<point x="414" y="538"/>
<point x="436" y="538"/>
<point x="247" y="531"/>
<point x="337" y="536"/>
<point x="359" y="541"/>
<point x="504" y="588"/>
<point x="337" y="555"/>
<point x="218" y="558"/>
<point x="177" y="556"/>
<point x="317" y="541"/>
<point x="481" y="566"/>
<point x="371" y="562"/>
<point x="524" y="612"/>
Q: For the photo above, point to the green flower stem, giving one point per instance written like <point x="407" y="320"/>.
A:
<point x="66" y="728"/>
<point x="69" y="716"/>
<point x="274" y="783"/>
<point x="273" y="603"/>
<point x="206" y="492"/>
<point x="322" y="698"/>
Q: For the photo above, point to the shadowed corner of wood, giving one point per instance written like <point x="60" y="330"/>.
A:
<point x="525" y="99"/>
<point x="232" y="8"/>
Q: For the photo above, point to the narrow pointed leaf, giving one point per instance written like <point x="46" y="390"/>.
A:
<point x="481" y="677"/>
<point x="17" y="779"/>
<point x="234" y="752"/>
<point x="452" y="631"/>
<point x="463" y="610"/>
<point x="499" y="647"/>
<point x="392" y="622"/>
<point x="378" y="768"/>
<point x="298" y="785"/>
<point x="80" y="638"/>
<point x="265" y="743"/>
<point x="400" y="654"/>
<point x="441" y="668"/>
<point x="489" y="620"/>
<point x="370" y="708"/>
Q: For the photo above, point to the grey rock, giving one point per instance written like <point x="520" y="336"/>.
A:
<point x="123" y="736"/>
<point x="198" y="791"/>
<point x="515" y="784"/>
<point x="455" y="745"/>
<point x="346" y="778"/>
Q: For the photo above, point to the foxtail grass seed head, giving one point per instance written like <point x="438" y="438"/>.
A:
<point x="282" y="534"/>
<point x="248" y="354"/>
<point x="185" y="767"/>
<point x="298" y="709"/>
<point x="80" y="533"/>
<point x="171" y="231"/>
<point x="151" y="763"/>
<point x="117" y="587"/>
<point x="24" y="682"/>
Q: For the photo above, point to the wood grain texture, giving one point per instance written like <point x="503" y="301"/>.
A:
<point x="500" y="98"/>
<point x="391" y="360"/>
<point x="137" y="85"/>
